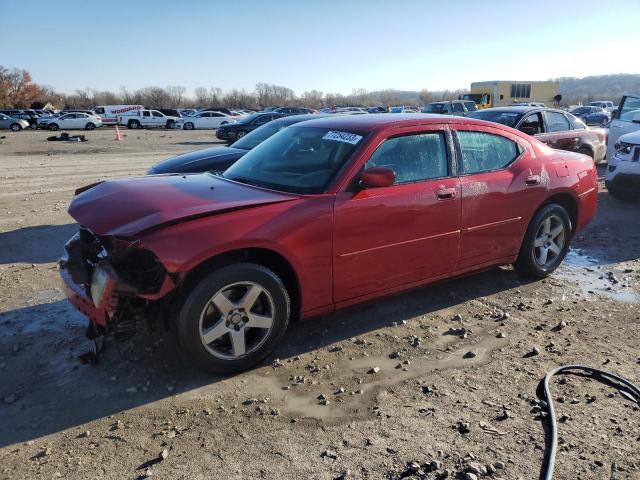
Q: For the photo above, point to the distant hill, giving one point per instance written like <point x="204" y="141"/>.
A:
<point x="600" y="87"/>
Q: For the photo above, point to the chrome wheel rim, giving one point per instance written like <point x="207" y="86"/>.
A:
<point x="550" y="241"/>
<point x="237" y="320"/>
<point x="240" y="134"/>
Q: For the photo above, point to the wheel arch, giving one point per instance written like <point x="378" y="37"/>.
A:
<point x="265" y="257"/>
<point x="566" y="201"/>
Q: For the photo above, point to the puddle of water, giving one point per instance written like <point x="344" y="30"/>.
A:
<point x="595" y="277"/>
<point x="302" y="401"/>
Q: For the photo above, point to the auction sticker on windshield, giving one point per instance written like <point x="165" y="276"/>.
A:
<point x="346" y="137"/>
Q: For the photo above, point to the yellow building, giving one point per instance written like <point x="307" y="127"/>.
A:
<point x="502" y="93"/>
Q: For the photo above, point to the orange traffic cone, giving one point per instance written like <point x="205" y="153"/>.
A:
<point x="118" y="137"/>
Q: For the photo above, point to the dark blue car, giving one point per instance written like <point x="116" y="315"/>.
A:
<point x="592" y="115"/>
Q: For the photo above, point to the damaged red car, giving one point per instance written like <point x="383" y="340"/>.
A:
<point x="324" y="214"/>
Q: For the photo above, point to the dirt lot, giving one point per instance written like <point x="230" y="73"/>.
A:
<point x="432" y="411"/>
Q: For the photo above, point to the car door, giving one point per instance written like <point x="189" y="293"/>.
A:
<point x="558" y="133"/>
<point x="157" y="119"/>
<point x="387" y="237"/>
<point x="500" y="182"/>
<point x="81" y="120"/>
<point x="67" y="121"/>
<point x="623" y="121"/>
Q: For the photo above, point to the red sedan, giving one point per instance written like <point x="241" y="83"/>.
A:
<point x="324" y="214"/>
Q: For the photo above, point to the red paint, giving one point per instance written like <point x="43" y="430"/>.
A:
<point x="348" y="244"/>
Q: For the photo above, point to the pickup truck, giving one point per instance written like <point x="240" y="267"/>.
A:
<point x="146" y="118"/>
<point x="606" y="104"/>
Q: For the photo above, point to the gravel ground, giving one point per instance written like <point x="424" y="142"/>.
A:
<point x="440" y="382"/>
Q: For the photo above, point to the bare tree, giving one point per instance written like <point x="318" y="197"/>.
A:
<point x="175" y="94"/>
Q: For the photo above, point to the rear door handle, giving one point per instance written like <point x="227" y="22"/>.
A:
<point x="446" y="193"/>
<point x="532" y="180"/>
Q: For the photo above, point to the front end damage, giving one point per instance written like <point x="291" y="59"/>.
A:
<point x="117" y="283"/>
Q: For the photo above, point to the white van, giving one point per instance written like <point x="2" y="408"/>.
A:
<point x="625" y="120"/>
<point x="110" y="113"/>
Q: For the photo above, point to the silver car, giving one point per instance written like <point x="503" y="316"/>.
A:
<point x="13" y="124"/>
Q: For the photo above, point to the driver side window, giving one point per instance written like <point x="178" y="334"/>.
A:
<point x="531" y="125"/>
<point x="413" y="158"/>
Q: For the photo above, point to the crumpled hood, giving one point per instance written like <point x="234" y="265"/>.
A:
<point x="129" y="206"/>
<point x="632" y="137"/>
<point x="216" y="158"/>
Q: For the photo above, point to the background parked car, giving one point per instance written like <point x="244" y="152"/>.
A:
<point x="292" y="110"/>
<point x="528" y="104"/>
<point x="592" y="115"/>
<point x="626" y="119"/>
<point x="218" y="159"/>
<point x="452" y="107"/>
<point x="623" y="168"/>
<point x="403" y="110"/>
<point x="24" y="114"/>
<point x="13" y="124"/>
<point x="109" y="113"/>
<point x="146" y="118"/>
<point x="204" y="120"/>
<point x="70" y="121"/>
<point x="235" y="131"/>
<point x="556" y="128"/>
<point x="606" y="104"/>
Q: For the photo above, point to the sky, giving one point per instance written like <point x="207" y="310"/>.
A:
<point x="327" y="45"/>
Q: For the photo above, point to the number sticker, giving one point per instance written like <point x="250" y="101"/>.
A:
<point x="346" y="137"/>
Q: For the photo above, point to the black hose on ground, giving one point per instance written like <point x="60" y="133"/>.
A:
<point x="618" y="382"/>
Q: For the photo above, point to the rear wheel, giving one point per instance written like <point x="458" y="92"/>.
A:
<point x="90" y="126"/>
<point x="134" y="124"/>
<point x="170" y="124"/>
<point x="15" y="127"/>
<point x="546" y="242"/>
<point x="233" y="318"/>
<point x="53" y="127"/>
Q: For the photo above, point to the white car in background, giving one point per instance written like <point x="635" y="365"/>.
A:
<point x="71" y="121"/>
<point x="204" y="120"/>
<point x="623" y="167"/>
<point x="626" y="119"/>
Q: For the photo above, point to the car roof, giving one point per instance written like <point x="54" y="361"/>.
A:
<point x="522" y="109"/>
<point x="379" y="121"/>
<point x="291" y="119"/>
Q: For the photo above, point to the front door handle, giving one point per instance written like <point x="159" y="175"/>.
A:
<point x="446" y="193"/>
<point x="532" y="180"/>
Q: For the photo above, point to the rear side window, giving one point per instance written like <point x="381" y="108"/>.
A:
<point x="471" y="106"/>
<point x="483" y="152"/>
<point x="99" y="111"/>
<point x="413" y="158"/>
<point x="457" y="107"/>
<point x="556" y="122"/>
<point x="576" y="123"/>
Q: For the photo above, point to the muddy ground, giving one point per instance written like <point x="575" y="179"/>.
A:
<point x="432" y="411"/>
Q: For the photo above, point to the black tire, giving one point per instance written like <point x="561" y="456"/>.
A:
<point x="133" y="124"/>
<point x="15" y="127"/>
<point x="170" y="124"/>
<point x="188" y="126"/>
<point x="240" y="134"/>
<point x="90" y="126"/>
<point x="622" y="195"/>
<point x="53" y="127"/>
<point x="527" y="263"/>
<point x="196" y="302"/>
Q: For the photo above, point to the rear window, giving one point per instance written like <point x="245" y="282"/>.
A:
<point x="510" y="119"/>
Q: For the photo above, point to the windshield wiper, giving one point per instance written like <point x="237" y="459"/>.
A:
<point x="244" y="180"/>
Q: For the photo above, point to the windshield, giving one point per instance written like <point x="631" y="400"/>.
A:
<point x="510" y="119"/>
<point x="296" y="160"/>
<point x="250" y="118"/>
<point x="433" y="108"/>
<point x="259" y="135"/>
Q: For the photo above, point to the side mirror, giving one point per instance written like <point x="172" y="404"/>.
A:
<point x="636" y="118"/>
<point x="377" y="177"/>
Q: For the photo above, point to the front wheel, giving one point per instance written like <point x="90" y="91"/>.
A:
<point x="233" y="318"/>
<point x="90" y="126"/>
<point x="15" y="127"/>
<point x="546" y="242"/>
<point x="188" y="126"/>
<point x="53" y="127"/>
<point x="240" y="134"/>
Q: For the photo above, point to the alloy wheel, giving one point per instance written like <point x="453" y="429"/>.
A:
<point x="550" y="241"/>
<point x="237" y="320"/>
